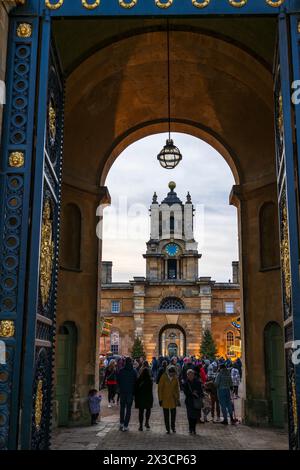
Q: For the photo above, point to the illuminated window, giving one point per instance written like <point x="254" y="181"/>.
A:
<point x="229" y="343"/>
<point x="115" y="306"/>
<point x="115" y="342"/>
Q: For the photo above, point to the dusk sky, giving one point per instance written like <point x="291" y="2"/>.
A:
<point x="132" y="180"/>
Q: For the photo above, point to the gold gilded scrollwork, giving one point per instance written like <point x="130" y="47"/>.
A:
<point x="127" y="3"/>
<point x="275" y="3"/>
<point x="7" y="329"/>
<point x="52" y="121"/>
<point x="294" y="407"/>
<point x="201" y="4"/>
<point x="54" y="6"/>
<point x="16" y="159"/>
<point x="238" y="3"/>
<point x="24" y="30"/>
<point x="280" y="114"/>
<point x="38" y="413"/>
<point x="285" y="255"/>
<point x="47" y="253"/>
<point x="90" y="6"/>
<point x="165" y="4"/>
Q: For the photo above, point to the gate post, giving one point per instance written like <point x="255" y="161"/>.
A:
<point x="15" y="189"/>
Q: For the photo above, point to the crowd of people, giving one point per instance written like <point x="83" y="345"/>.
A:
<point x="209" y="387"/>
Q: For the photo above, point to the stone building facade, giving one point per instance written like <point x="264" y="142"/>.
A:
<point x="172" y="306"/>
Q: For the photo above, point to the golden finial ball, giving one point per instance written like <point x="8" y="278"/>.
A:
<point x="172" y="185"/>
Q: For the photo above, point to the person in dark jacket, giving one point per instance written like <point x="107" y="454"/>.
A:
<point x="193" y="391"/>
<point x="110" y="379"/>
<point x="144" y="396"/>
<point x="224" y="385"/>
<point x="154" y="368"/>
<point x="126" y="378"/>
<point x="161" y="371"/>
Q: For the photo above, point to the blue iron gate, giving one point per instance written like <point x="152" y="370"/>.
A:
<point x="30" y="197"/>
<point x="288" y="204"/>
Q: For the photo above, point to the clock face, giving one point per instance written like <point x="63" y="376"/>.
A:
<point x="172" y="249"/>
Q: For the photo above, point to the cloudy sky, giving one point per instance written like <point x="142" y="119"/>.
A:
<point x="135" y="176"/>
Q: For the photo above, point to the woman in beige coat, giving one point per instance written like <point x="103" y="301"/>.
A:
<point x="169" y="397"/>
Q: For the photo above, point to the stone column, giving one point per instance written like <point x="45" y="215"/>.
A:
<point x="154" y="221"/>
<point x="139" y="306"/>
<point x="260" y="295"/>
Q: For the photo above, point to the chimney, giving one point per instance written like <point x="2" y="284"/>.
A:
<point x="235" y="272"/>
<point x="106" y="275"/>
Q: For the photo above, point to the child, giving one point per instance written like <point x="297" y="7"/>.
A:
<point x="94" y="400"/>
<point x="206" y="406"/>
<point x="211" y="388"/>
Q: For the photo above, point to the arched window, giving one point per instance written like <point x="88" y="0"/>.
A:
<point x="160" y="223"/>
<point x="71" y="237"/>
<point x="172" y="223"/>
<point x="115" y="342"/>
<point x="269" y="239"/>
<point x="229" y="343"/>
<point x="172" y="303"/>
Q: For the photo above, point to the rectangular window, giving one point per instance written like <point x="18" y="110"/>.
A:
<point x="115" y="306"/>
<point x="229" y="307"/>
<point x="114" y="348"/>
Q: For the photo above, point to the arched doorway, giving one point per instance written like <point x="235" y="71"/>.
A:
<point x="172" y="341"/>
<point x="65" y="370"/>
<point x="275" y="376"/>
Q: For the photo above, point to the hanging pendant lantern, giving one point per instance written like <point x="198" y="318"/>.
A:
<point x="169" y="156"/>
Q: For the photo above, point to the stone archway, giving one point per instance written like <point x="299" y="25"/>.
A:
<point x="217" y="87"/>
<point x="172" y="341"/>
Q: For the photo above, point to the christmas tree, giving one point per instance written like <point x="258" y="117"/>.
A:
<point x="208" y="346"/>
<point x="138" y="349"/>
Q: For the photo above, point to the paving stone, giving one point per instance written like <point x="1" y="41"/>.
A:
<point x="106" y="435"/>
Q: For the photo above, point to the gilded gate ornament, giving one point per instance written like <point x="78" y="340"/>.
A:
<point x="54" y="6"/>
<point x="163" y="4"/>
<point x="16" y="159"/>
<point x="52" y="121"/>
<point x="127" y="4"/>
<point x="200" y="4"/>
<point x="90" y="6"/>
<point x="280" y="113"/>
<point x="285" y="255"/>
<point x="7" y="329"/>
<point x="47" y="253"/>
<point x="24" y="30"/>
<point x="275" y="3"/>
<point x="238" y="3"/>
<point x="294" y="407"/>
<point x="39" y="404"/>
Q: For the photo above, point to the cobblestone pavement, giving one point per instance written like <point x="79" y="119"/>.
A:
<point x="106" y="435"/>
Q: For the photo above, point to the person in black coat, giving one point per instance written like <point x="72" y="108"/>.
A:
<point x="193" y="391"/>
<point x="144" y="396"/>
<point x="126" y="378"/>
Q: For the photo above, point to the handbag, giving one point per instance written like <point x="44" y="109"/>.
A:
<point x="197" y="401"/>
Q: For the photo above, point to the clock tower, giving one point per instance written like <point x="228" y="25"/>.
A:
<point x="172" y="252"/>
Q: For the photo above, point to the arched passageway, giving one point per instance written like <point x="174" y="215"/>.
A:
<point x="221" y="92"/>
